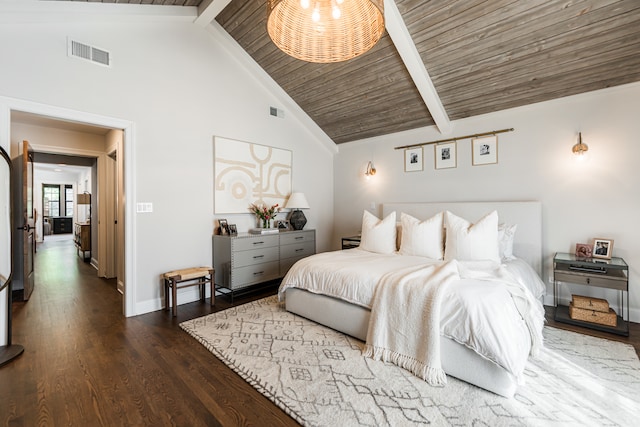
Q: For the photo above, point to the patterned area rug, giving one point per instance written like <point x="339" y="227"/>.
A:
<point x="319" y="377"/>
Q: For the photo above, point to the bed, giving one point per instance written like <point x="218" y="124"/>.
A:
<point x="321" y="288"/>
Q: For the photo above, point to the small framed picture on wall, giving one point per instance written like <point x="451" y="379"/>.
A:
<point x="413" y="161"/>
<point x="446" y="155"/>
<point x="484" y="150"/>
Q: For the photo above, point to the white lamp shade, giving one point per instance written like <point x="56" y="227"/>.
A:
<point x="297" y="201"/>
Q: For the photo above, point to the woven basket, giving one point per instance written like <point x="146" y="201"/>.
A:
<point x="589" y="303"/>
<point x="592" y="316"/>
<point x="329" y="40"/>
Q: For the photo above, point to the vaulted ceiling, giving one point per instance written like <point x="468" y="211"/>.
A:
<point x="481" y="56"/>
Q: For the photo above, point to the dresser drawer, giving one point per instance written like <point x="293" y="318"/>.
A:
<point x="257" y="242"/>
<point x="255" y="256"/>
<point x="245" y="276"/>
<point x="291" y="237"/>
<point x="286" y="264"/>
<point x="298" y="250"/>
<point x="601" y="281"/>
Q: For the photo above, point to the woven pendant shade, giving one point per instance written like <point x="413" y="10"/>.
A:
<point x="293" y="29"/>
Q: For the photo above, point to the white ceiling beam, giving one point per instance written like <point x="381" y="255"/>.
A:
<point x="208" y="10"/>
<point x="413" y="62"/>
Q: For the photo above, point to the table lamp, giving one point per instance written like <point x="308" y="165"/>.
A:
<point x="296" y="202"/>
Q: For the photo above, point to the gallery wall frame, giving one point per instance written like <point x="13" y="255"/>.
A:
<point x="484" y="150"/>
<point x="446" y="155"/>
<point x="413" y="159"/>
<point x="246" y="173"/>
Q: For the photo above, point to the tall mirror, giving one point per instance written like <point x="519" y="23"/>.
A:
<point x="8" y="351"/>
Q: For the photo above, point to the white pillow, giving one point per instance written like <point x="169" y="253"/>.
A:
<point x="422" y="238"/>
<point x="506" y="233"/>
<point x="472" y="242"/>
<point x="378" y="236"/>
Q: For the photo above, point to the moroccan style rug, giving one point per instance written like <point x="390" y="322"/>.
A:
<point x="320" y="378"/>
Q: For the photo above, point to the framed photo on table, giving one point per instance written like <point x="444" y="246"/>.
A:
<point x="413" y="161"/>
<point x="282" y="224"/>
<point x="584" y="250"/>
<point x="602" y="248"/>
<point x="224" y="226"/>
<point x="446" y="155"/>
<point x="484" y="150"/>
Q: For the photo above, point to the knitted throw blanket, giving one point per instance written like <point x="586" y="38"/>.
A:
<point x="404" y="328"/>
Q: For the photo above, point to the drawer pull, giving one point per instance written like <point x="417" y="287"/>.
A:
<point x="258" y="273"/>
<point x="258" y="256"/>
<point x="300" y="238"/>
<point x="588" y="280"/>
<point x="299" y="250"/>
<point x="258" y="243"/>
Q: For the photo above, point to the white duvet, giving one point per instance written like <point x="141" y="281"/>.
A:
<point x="493" y="309"/>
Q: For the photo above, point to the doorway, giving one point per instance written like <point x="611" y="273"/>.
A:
<point x="54" y="116"/>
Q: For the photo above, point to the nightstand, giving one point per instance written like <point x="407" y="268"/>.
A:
<point x="591" y="272"/>
<point x="351" y="242"/>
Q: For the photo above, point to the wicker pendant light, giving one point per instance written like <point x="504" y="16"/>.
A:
<point x="325" y="30"/>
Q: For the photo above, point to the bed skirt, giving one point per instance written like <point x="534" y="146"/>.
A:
<point x="457" y="360"/>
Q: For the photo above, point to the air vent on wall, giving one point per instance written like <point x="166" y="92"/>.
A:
<point x="276" y="112"/>
<point x="89" y="53"/>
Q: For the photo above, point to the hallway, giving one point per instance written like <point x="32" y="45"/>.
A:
<point x="85" y="364"/>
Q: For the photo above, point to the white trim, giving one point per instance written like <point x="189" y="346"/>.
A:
<point x="255" y="71"/>
<point x="20" y="11"/>
<point x="415" y="66"/>
<point x="208" y="10"/>
<point x="8" y="104"/>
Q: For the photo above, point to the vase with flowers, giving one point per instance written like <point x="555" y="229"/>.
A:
<point x="264" y="214"/>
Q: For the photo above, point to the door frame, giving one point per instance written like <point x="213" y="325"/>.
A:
<point x="8" y="104"/>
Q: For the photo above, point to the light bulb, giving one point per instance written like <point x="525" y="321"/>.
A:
<point x="305" y="4"/>
<point x="315" y="16"/>
<point x="339" y="1"/>
<point x="336" y="12"/>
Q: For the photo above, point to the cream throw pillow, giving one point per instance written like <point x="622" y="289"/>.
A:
<point x="422" y="238"/>
<point x="378" y="236"/>
<point x="472" y="242"/>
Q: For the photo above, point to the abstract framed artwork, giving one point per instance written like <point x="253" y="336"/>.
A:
<point x="446" y="155"/>
<point x="246" y="173"/>
<point x="484" y="150"/>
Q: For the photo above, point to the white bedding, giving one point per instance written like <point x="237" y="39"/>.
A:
<point x="499" y="321"/>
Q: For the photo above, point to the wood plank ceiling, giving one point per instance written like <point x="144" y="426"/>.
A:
<point x="482" y="56"/>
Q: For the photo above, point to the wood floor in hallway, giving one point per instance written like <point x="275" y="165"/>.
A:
<point x="86" y="365"/>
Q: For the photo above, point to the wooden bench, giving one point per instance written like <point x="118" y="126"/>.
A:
<point x="178" y="279"/>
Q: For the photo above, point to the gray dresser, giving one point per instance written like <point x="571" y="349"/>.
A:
<point x="248" y="259"/>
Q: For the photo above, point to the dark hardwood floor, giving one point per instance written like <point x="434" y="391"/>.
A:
<point x="86" y="365"/>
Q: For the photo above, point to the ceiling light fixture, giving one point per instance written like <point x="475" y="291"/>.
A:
<point x="325" y="31"/>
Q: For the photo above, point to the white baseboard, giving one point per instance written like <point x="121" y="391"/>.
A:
<point x="185" y="296"/>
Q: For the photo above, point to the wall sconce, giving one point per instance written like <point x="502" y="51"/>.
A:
<point x="580" y="149"/>
<point x="370" y="170"/>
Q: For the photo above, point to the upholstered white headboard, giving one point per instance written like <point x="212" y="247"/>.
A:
<point x="528" y="215"/>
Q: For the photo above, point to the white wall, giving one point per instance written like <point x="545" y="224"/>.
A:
<point x="580" y="201"/>
<point x="179" y="88"/>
